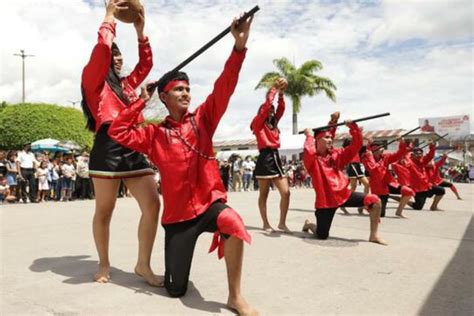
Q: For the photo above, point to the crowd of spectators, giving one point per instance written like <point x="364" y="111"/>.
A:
<point x="239" y="174"/>
<point x="47" y="176"/>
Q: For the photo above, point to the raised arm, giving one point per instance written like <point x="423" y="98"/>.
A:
<point x="333" y="121"/>
<point x="282" y="85"/>
<point x="264" y="111"/>
<point x="429" y="156"/>
<point x="441" y="161"/>
<point x="216" y="103"/>
<point x="95" y="72"/>
<point x="309" y="152"/>
<point x="145" y="62"/>
<point x="353" y="149"/>
<point x="399" y="154"/>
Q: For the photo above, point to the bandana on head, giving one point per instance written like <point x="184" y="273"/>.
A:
<point x="171" y="79"/>
<point x="170" y="85"/>
<point x="322" y="133"/>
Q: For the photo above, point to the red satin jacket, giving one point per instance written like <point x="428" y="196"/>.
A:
<point x="190" y="183"/>
<point x="412" y="172"/>
<point x="433" y="171"/>
<point x="267" y="137"/>
<point x="380" y="176"/>
<point x="103" y="103"/>
<point x="329" y="182"/>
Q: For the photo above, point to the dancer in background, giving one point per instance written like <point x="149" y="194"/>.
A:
<point x="269" y="168"/>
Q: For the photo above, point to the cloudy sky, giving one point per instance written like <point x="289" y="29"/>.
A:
<point x="413" y="58"/>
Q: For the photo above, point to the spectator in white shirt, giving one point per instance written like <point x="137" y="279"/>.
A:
<point x="27" y="164"/>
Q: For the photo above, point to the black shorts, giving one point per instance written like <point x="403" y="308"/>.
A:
<point x="180" y="241"/>
<point x="269" y="164"/>
<point x="110" y="160"/>
<point x="354" y="170"/>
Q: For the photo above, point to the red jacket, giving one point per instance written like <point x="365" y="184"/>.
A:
<point x="103" y="103"/>
<point x="329" y="182"/>
<point x="433" y="171"/>
<point x="413" y="173"/>
<point x="266" y="137"/>
<point x="190" y="183"/>
<point x="380" y="176"/>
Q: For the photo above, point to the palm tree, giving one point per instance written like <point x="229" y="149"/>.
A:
<point x="301" y="82"/>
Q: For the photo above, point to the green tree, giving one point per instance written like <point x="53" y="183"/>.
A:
<point x="301" y="82"/>
<point x="26" y="123"/>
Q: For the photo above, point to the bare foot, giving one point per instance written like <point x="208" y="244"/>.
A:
<point x="344" y="210"/>
<point x="436" y="209"/>
<point x="150" y="278"/>
<point x="459" y="198"/>
<point x="268" y="229"/>
<point x="378" y="240"/>
<point x="102" y="276"/>
<point x="284" y="229"/>
<point x="305" y="226"/>
<point x="360" y="210"/>
<point x="401" y="215"/>
<point x="239" y="305"/>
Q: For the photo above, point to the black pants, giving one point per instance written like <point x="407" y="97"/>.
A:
<point x="84" y="188"/>
<point x="420" y="197"/>
<point x="28" y="175"/>
<point x="445" y="184"/>
<point x="180" y="241"/>
<point x="324" y="216"/>
<point x="384" y="198"/>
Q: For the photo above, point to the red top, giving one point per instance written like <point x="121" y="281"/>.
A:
<point x="190" y="182"/>
<point x="329" y="182"/>
<point x="380" y="176"/>
<point x="412" y="172"/>
<point x="266" y="136"/>
<point x="433" y="171"/>
<point x="103" y="103"/>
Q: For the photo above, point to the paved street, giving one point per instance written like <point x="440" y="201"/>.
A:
<point x="48" y="258"/>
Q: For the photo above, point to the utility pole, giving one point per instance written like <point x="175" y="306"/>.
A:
<point x="23" y="56"/>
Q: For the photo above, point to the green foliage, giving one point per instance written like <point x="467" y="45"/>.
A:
<point x="26" y="123"/>
<point x="301" y="82"/>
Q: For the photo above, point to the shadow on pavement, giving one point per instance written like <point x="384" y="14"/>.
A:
<point x="454" y="292"/>
<point x="80" y="270"/>
<point x="309" y="238"/>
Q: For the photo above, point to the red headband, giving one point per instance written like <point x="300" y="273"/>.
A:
<point x="322" y="134"/>
<point x="173" y="83"/>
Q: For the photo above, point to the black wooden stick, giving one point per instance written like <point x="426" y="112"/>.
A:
<point x="215" y="39"/>
<point x="439" y="137"/>
<point x="343" y="123"/>
<point x="151" y="87"/>
<point x="406" y="134"/>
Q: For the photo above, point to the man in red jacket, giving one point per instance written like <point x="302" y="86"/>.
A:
<point x="411" y="170"/>
<point x="193" y="193"/>
<point x="325" y="164"/>
<point x="377" y="162"/>
<point x="432" y="170"/>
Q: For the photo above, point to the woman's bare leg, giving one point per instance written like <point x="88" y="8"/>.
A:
<point x="264" y="189"/>
<point x="145" y="192"/>
<point x="105" y="197"/>
<point x="282" y="186"/>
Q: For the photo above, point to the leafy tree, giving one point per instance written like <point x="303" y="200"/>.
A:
<point x="301" y="82"/>
<point x="25" y="123"/>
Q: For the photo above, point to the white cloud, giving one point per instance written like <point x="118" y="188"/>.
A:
<point x="350" y="39"/>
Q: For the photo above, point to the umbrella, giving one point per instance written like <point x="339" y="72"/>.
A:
<point x="69" y="145"/>
<point x="45" y="144"/>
